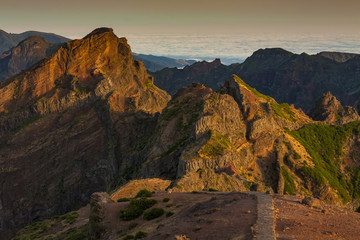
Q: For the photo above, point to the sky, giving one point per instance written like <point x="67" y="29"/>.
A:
<point x="139" y="20"/>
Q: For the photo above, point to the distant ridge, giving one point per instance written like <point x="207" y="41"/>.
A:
<point x="10" y="40"/>
<point x="156" y="63"/>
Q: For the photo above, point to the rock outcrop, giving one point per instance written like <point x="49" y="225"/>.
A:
<point x="73" y="124"/>
<point x="330" y="110"/>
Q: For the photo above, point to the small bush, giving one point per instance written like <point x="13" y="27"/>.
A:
<point x="136" y="208"/>
<point x="123" y="200"/>
<point x="130" y="213"/>
<point x="358" y="210"/>
<point x="169" y="214"/>
<point x="140" y="234"/>
<point x="153" y="213"/>
<point x="127" y="237"/>
<point x="143" y="194"/>
<point x="166" y="199"/>
<point x="296" y="155"/>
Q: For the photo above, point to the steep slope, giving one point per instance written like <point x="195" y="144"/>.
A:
<point x="156" y="63"/>
<point x="72" y="125"/>
<point x="10" y="40"/>
<point x="287" y="77"/>
<point x="24" y="55"/>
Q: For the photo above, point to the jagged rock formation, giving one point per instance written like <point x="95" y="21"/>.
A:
<point x="24" y="55"/>
<point x="328" y="109"/>
<point x="209" y="139"/>
<point x="73" y="124"/>
<point x="297" y="79"/>
<point x="10" y="40"/>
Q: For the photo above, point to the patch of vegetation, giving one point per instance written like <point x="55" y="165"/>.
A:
<point x="79" y="233"/>
<point x="216" y="145"/>
<point x="289" y="185"/>
<point x="248" y="185"/>
<point x="144" y="193"/>
<point x="136" y="208"/>
<point x="140" y="234"/>
<point x="123" y="200"/>
<point x="149" y="84"/>
<point x="253" y="90"/>
<point x="26" y="124"/>
<point x="153" y="213"/>
<point x="166" y="199"/>
<point x="128" y="237"/>
<point x="169" y="214"/>
<point x="283" y="110"/>
<point x="324" y="143"/>
<point x="39" y="230"/>
<point x="296" y="155"/>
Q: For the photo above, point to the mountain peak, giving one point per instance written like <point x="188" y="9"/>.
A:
<point x="329" y="109"/>
<point x="100" y="31"/>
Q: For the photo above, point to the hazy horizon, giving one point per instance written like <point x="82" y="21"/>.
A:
<point x="201" y="29"/>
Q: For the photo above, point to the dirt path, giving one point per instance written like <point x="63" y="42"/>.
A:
<point x="297" y="221"/>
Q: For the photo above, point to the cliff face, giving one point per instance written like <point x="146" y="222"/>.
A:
<point x="24" y="55"/>
<point x="68" y="127"/>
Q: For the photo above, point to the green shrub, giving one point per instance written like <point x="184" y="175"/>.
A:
<point x="130" y="213"/>
<point x="216" y="145"/>
<point x="140" y="234"/>
<point x="123" y="200"/>
<point x="136" y="208"/>
<point x="153" y="213"/>
<point x="169" y="214"/>
<point x="128" y="237"/>
<point x="358" y="209"/>
<point x="143" y="193"/>
<point x="166" y="199"/>
<point x="296" y="155"/>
